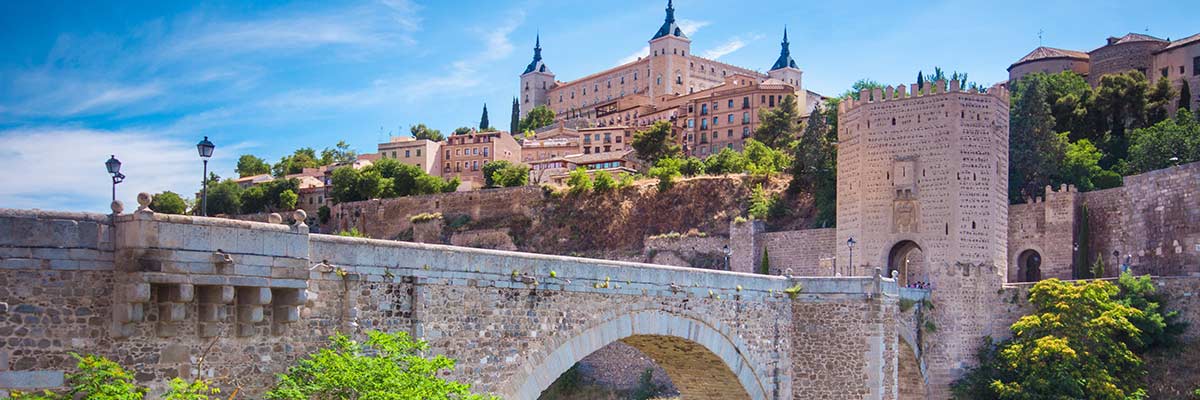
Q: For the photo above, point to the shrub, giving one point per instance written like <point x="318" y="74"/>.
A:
<point x="353" y="232"/>
<point x="386" y="366"/>
<point x="425" y="217"/>
<point x="323" y="215"/>
<point x="624" y="180"/>
<point x="727" y="161"/>
<point x="761" y="203"/>
<point x="764" y="266"/>
<point x="579" y="181"/>
<point x="287" y="200"/>
<point x="666" y="170"/>
<point x="603" y="182"/>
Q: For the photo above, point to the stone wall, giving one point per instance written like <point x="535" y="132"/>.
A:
<point x="156" y="292"/>
<point x="687" y="251"/>
<point x="809" y="252"/>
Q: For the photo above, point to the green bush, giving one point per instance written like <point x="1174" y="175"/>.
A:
<point x="287" y="200"/>
<point x="425" y="217"/>
<point x="323" y="214"/>
<point x="603" y="182"/>
<point x="666" y="170"/>
<point x="353" y="232"/>
<point x="168" y="202"/>
<point x="386" y="366"/>
<point x="761" y="203"/>
<point x="579" y="181"/>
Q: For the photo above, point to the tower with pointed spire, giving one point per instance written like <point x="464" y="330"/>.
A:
<point x="669" y="50"/>
<point x="785" y="70"/>
<point x="536" y="81"/>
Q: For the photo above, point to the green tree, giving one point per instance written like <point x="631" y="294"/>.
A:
<point x="463" y="130"/>
<point x="778" y="127"/>
<point x="296" y="162"/>
<point x="1121" y="99"/>
<point x="338" y="154"/>
<point x="603" y="182"/>
<point x="484" y="125"/>
<point x="168" y="202"/>
<point x="1185" y="96"/>
<point x="179" y="389"/>
<point x="538" y="117"/>
<point x="579" y="181"/>
<point x="1035" y="150"/>
<point x="1167" y="143"/>
<point x="764" y="161"/>
<point x="287" y="200"/>
<point x="490" y="168"/>
<point x="1081" y="166"/>
<point x="666" y="170"/>
<point x="1158" y="102"/>
<point x="726" y="161"/>
<point x="386" y="366"/>
<point x="658" y="141"/>
<point x="249" y="165"/>
<point x="323" y="214"/>
<point x="420" y="131"/>
<point x="1076" y="344"/>
<point x="224" y="198"/>
<point x="814" y="169"/>
<point x="855" y="89"/>
<point x="624" y="180"/>
<point x="764" y="265"/>
<point x="345" y="182"/>
<point x="254" y="199"/>
<point x="511" y="176"/>
<point x="761" y="203"/>
<point x="514" y="123"/>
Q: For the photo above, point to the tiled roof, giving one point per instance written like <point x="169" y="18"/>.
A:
<point x="1043" y="52"/>
<point x="1182" y="42"/>
<point x="597" y="157"/>
<point x="1136" y="37"/>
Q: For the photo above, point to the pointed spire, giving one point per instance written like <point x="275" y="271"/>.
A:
<point x="536" y="64"/>
<point x="785" y="54"/>
<point x="669" y="28"/>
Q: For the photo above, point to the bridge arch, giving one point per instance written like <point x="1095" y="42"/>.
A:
<point x="677" y="343"/>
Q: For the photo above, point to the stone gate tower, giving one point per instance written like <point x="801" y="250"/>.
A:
<point x="922" y="180"/>
<point x="669" y="58"/>
<point x="536" y="81"/>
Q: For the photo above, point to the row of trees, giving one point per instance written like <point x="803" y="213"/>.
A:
<point x="1062" y="130"/>
<point x="306" y="157"/>
<point x="386" y="178"/>
<point x="385" y="366"/>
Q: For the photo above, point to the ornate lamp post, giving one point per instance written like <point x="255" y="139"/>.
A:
<point x="849" y="244"/>
<point x="728" y="252"/>
<point x="1117" y="258"/>
<point x="114" y="168"/>
<point x="205" y="148"/>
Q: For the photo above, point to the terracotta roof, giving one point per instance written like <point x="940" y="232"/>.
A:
<point x="1182" y="42"/>
<point x="597" y="157"/>
<point x="1134" y="37"/>
<point x="1043" y="53"/>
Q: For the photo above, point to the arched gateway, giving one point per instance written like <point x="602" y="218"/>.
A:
<point x="702" y="360"/>
<point x="908" y="260"/>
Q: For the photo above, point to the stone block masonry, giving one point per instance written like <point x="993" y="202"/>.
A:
<point x="164" y="289"/>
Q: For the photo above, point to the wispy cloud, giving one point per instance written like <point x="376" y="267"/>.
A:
<point x="69" y="171"/>
<point x="733" y="44"/>
<point x="688" y="27"/>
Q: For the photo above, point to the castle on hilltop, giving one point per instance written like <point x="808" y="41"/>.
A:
<point x="713" y="105"/>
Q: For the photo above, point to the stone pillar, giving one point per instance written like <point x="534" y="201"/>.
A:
<point x="746" y="244"/>
<point x="250" y="302"/>
<point x="213" y="309"/>
<point x="173" y="301"/>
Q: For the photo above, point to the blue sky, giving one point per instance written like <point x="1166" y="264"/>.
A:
<point x="145" y="80"/>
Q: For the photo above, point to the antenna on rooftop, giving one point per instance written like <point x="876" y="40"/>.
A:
<point x="1040" y="32"/>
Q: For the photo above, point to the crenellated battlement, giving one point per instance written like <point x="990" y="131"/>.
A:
<point x="893" y="93"/>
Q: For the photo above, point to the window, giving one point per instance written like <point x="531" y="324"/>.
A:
<point x="418" y="152"/>
<point x="716" y="106"/>
<point x="772" y="102"/>
<point x="678" y="79"/>
<point x="704" y="109"/>
<point x="745" y="117"/>
<point x="407" y="154"/>
<point x="730" y="104"/>
<point x="1195" y="66"/>
<point x="729" y="134"/>
<point x="691" y="123"/>
<point x="658" y="81"/>
<point x="745" y="132"/>
<point x="485" y="151"/>
<point x="456" y="151"/>
<point x="1165" y="71"/>
<point x="447" y="155"/>
<point x="635" y="75"/>
<point x="730" y="118"/>
<point x="763" y="100"/>
<point x="746" y="102"/>
<point x="703" y="124"/>
<point x="716" y="121"/>
<point x="691" y="108"/>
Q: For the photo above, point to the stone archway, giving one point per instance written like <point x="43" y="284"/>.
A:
<point x="1029" y="266"/>
<point x="691" y="351"/>
<point x="908" y="259"/>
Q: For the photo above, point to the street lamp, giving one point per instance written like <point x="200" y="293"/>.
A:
<point x="728" y="252"/>
<point x="114" y="168"/>
<point x="205" y="148"/>
<point x="1117" y="258"/>
<point x="849" y="244"/>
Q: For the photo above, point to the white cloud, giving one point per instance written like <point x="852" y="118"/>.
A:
<point x="732" y="45"/>
<point x="496" y="42"/>
<point x="65" y="167"/>
<point x="688" y="27"/>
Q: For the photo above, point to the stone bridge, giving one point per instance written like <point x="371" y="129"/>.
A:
<point x="159" y="292"/>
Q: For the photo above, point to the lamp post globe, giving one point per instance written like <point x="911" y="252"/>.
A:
<point x="850" y="245"/>
<point x="205" y="148"/>
<point x="113" y="165"/>
<point x="728" y="252"/>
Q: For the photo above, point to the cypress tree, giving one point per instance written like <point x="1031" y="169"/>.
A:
<point x="516" y="117"/>
<point x="764" y="266"/>
<point x="920" y="80"/>
<point x="483" y="121"/>
<point x="1081" y="248"/>
<point x="1185" y="97"/>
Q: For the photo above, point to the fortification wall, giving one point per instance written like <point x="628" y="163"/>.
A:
<point x="1122" y="57"/>
<point x="809" y="252"/>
